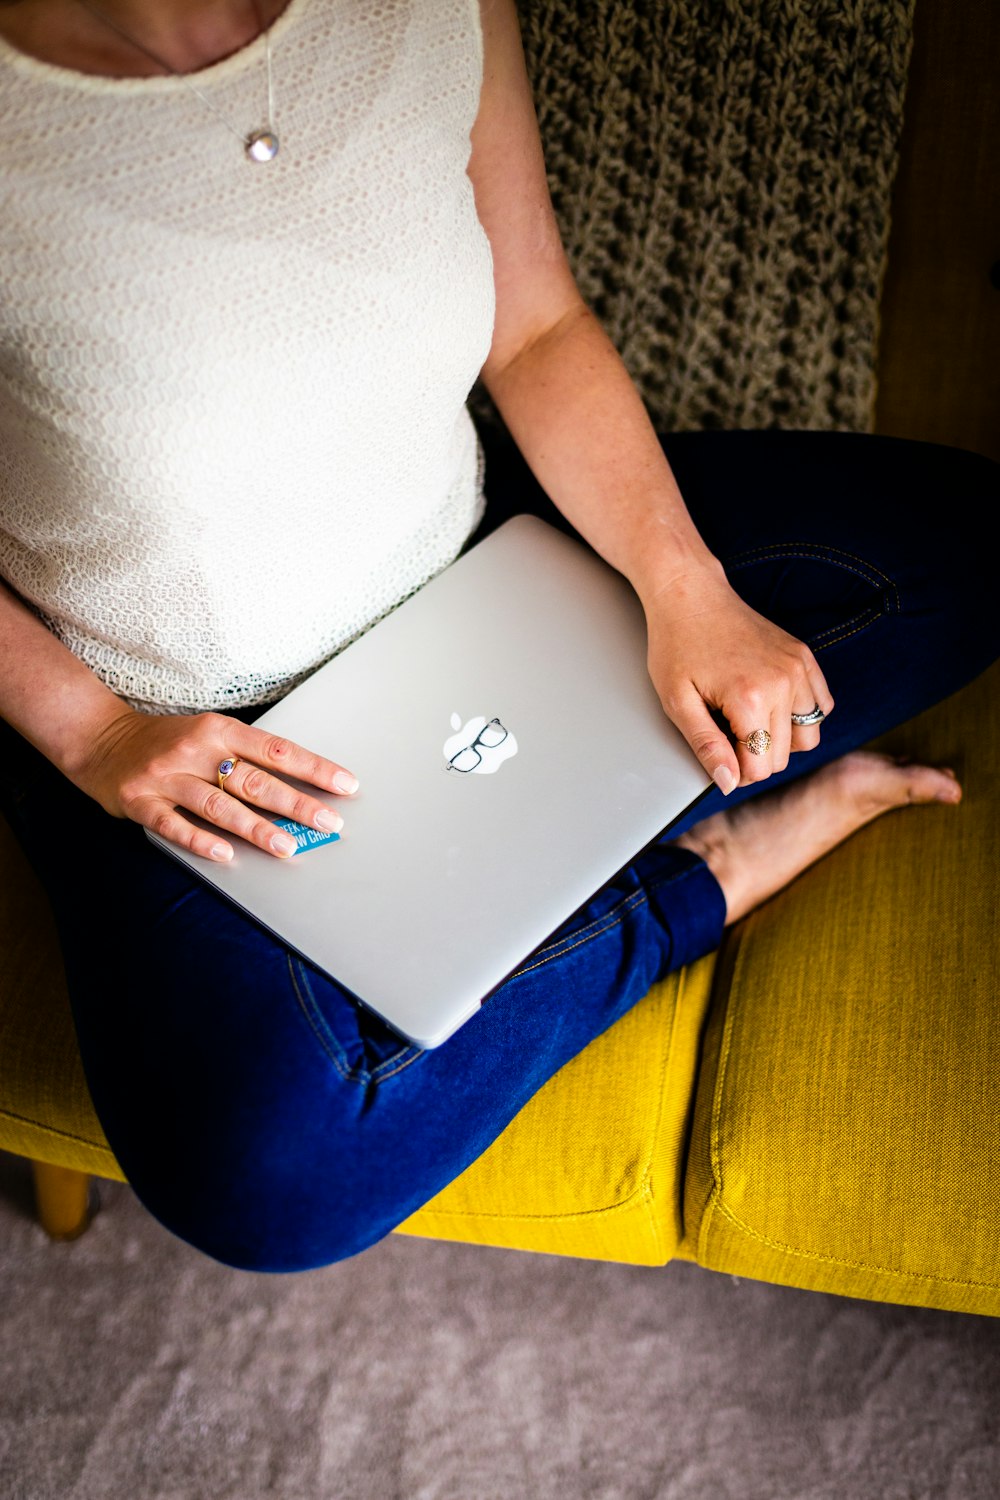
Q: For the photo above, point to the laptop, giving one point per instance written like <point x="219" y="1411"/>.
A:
<point x="513" y="757"/>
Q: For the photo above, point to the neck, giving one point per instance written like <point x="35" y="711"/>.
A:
<point x="186" y="34"/>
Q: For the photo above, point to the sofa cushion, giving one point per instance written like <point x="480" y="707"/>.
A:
<point x="846" y="1124"/>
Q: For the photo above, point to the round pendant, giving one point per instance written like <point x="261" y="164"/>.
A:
<point x="262" y="145"/>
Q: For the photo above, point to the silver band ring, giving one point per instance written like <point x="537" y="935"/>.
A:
<point x="758" y="742"/>
<point x="814" y="716"/>
<point x="226" y="768"/>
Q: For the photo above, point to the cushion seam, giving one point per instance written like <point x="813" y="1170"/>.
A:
<point x="837" y="1260"/>
<point x="64" y="1135"/>
<point x="639" y="1192"/>
<point x="657" y="1135"/>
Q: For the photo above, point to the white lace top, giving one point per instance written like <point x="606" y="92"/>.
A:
<point x="233" y="429"/>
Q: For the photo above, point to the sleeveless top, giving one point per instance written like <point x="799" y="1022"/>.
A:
<point x="233" y="422"/>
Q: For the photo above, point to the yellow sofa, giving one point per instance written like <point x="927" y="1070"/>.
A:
<point x="815" y="1105"/>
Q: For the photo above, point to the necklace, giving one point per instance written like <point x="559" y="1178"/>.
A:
<point x="259" y="145"/>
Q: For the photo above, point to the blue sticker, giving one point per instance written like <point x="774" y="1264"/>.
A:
<point x="305" y="838"/>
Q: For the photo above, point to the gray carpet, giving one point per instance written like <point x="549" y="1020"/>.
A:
<point x="134" y="1367"/>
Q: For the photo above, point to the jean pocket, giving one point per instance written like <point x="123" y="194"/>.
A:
<point x="362" y="1047"/>
<point x="820" y="594"/>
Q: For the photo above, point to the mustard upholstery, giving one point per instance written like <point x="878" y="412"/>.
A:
<point x="816" y="1105"/>
<point x="846" y="1127"/>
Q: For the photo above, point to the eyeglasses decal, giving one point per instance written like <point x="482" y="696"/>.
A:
<point x="470" y="757"/>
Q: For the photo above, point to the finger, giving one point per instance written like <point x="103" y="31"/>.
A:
<point x="753" y="749"/>
<point x="287" y="758"/>
<point x="218" y="807"/>
<point x="780" y="728"/>
<point x="163" y="819"/>
<point x="820" y="689"/>
<point x="807" y="736"/>
<point x="810" y="694"/>
<point x="252" y="784"/>
<point x="709" y="744"/>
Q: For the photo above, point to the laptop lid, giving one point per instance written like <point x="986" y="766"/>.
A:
<point x="513" y="756"/>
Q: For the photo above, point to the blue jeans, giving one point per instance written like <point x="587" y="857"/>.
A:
<point x="264" y="1117"/>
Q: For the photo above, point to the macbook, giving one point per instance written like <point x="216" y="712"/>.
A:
<point x="513" y="756"/>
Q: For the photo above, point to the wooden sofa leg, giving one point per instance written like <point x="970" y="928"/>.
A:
<point x="63" y="1198"/>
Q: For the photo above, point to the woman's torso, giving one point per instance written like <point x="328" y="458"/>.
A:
<point x="232" y="395"/>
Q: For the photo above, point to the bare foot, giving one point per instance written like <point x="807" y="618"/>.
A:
<point x="757" y="848"/>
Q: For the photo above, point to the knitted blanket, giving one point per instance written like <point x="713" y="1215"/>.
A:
<point x="722" y="171"/>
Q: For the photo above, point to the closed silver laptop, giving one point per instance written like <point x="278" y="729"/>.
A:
<point x="513" y="757"/>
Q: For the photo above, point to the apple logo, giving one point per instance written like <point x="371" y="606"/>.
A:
<point x="479" y="746"/>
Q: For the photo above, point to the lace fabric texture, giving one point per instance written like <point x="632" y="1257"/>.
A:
<point x="233" y="423"/>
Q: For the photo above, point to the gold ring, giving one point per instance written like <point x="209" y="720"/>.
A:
<point x="758" y="742"/>
<point x="226" y="768"/>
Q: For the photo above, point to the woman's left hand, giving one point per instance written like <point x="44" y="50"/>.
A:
<point x="710" y="654"/>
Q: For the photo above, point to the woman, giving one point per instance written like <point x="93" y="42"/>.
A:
<point x="250" y="273"/>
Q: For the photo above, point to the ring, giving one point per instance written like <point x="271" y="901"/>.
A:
<point x="758" y="742"/>
<point x="226" y="768"/>
<point x="814" y="716"/>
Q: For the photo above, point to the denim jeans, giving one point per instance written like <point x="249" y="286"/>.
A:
<point x="263" y="1116"/>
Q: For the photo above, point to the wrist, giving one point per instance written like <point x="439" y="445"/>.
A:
<point x="95" y="728"/>
<point x="675" y="571"/>
<point x="47" y="694"/>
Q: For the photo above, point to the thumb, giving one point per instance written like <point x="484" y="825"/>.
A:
<point x="708" y="742"/>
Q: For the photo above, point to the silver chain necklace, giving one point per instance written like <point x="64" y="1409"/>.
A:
<point x="259" y="145"/>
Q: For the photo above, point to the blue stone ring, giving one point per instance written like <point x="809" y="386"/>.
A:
<point x="226" y="768"/>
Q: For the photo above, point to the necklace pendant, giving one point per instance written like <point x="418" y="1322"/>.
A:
<point x="262" y="145"/>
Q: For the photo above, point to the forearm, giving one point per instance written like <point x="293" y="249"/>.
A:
<point x="46" y="693"/>
<point x="574" y="412"/>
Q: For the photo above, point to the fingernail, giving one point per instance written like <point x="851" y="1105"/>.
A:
<point x="282" y="845"/>
<point x="345" y="782"/>
<point x="221" y="851"/>
<point x="724" y="780"/>
<point x="950" y="794"/>
<point x="330" y="822"/>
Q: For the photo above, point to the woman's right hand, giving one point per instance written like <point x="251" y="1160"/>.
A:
<point x="157" y="768"/>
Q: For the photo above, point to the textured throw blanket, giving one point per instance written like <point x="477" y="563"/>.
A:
<point x="722" y="172"/>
